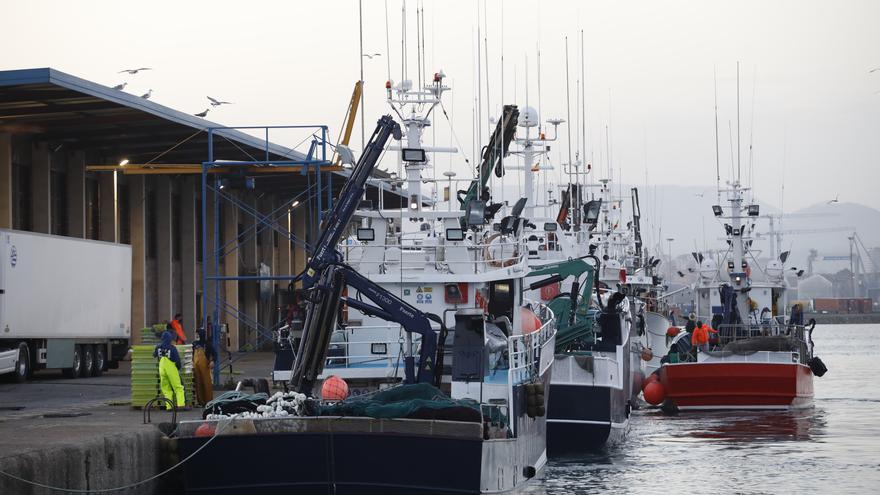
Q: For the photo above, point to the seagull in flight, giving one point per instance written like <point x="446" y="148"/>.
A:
<point x="147" y="95"/>
<point x="134" y="71"/>
<point x="875" y="69"/>
<point x="120" y="87"/>
<point x="835" y="200"/>
<point x="371" y="55"/>
<point x="202" y="114"/>
<point x="699" y="194"/>
<point x="217" y="103"/>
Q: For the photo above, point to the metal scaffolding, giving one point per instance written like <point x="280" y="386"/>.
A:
<point x="225" y="183"/>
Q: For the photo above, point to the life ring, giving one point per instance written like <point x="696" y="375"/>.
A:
<point x="496" y="263"/>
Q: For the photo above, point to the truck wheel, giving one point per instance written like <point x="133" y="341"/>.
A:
<point x="88" y="360"/>
<point x="77" y="363"/>
<point x="23" y="367"/>
<point x="99" y="361"/>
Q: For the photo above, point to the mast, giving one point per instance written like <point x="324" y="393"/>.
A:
<point x="568" y="127"/>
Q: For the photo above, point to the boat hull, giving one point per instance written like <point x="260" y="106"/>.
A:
<point x="738" y="385"/>
<point x="347" y="463"/>
<point x="584" y="417"/>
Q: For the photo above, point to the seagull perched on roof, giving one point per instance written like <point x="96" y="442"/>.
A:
<point x="371" y="55"/>
<point x="217" y="103"/>
<point x="835" y="200"/>
<point x="120" y="87"/>
<point x="202" y="114"/>
<point x="133" y="71"/>
<point x="147" y="95"/>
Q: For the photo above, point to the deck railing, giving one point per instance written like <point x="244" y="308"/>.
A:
<point x="418" y="256"/>
<point x="524" y="350"/>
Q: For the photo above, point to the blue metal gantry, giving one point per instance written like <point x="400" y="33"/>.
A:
<point x="215" y="173"/>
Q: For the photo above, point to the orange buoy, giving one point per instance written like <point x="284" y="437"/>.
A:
<point x="334" y="388"/>
<point x="530" y="321"/>
<point x="205" y="430"/>
<point x="654" y="393"/>
<point x="650" y="379"/>
<point x="647" y="354"/>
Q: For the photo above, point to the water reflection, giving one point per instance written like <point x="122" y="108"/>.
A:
<point x="752" y="426"/>
<point x="833" y="446"/>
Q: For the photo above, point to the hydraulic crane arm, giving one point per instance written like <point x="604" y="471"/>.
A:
<point x="349" y="198"/>
<point x="327" y="275"/>
<point x="498" y="146"/>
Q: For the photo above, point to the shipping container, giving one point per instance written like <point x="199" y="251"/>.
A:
<point x="64" y="303"/>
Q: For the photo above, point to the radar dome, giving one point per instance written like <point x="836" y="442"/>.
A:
<point x="528" y="117"/>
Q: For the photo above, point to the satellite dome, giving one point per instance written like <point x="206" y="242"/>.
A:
<point x="528" y="117"/>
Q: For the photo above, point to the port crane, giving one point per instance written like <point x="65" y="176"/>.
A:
<point x="326" y="275"/>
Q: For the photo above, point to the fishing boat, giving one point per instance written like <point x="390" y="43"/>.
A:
<point x="763" y="356"/>
<point x="436" y="297"/>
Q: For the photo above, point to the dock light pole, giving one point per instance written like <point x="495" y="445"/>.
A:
<point x="669" y="252"/>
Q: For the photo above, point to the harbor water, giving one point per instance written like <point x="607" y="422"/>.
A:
<point x="829" y="448"/>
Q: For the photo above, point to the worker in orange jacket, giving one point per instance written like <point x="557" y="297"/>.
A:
<point x="700" y="336"/>
<point x="177" y="326"/>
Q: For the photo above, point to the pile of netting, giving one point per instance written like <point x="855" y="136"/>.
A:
<point x="416" y="401"/>
<point x="237" y="404"/>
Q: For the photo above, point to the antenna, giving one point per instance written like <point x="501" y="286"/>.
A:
<point x="361" y="58"/>
<point x="584" y="106"/>
<point x="717" y="160"/>
<point x="738" y="146"/>
<point x="387" y="43"/>
<point x="568" y="107"/>
<point x="752" y="132"/>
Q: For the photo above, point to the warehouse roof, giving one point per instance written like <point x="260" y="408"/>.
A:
<point x="67" y="109"/>
<point x="59" y="108"/>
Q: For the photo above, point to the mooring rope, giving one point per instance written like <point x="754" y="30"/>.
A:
<point x="119" y="488"/>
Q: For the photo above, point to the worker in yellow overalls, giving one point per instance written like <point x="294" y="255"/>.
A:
<point x="169" y="366"/>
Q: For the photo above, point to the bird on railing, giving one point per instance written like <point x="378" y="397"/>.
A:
<point x="147" y="95"/>
<point x="202" y="114"/>
<point x="120" y="87"/>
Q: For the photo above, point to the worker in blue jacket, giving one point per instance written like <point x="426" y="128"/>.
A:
<point x="169" y="366"/>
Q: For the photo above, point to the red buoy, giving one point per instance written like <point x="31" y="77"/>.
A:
<point x="654" y="393"/>
<point x="672" y="331"/>
<point x="334" y="388"/>
<point x="205" y="430"/>
<point x="650" y="379"/>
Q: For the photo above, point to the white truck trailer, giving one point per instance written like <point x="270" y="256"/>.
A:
<point x="64" y="303"/>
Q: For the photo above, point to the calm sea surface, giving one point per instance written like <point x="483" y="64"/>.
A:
<point x="833" y="447"/>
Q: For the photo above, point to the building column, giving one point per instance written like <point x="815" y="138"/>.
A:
<point x="188" y="255"/>
<point x="164" y="268"/>
<point x="299" y="228"/>
<point x="76" y="194"/>
<point x="267" y="256"/>
<point x="251" y="266"/>
<point x="231" y="267"/>
<point x="285" y="257"/>
<point x="41" y="190"/>
<point x="137" y="192"/>
<point x="109" y="207"/>
<point x="5" y="181"/>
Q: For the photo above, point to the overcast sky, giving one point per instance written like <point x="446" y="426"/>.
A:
<point x="814" y="119"/>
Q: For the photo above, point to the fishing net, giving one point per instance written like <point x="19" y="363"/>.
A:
<point x="416" y="401"/>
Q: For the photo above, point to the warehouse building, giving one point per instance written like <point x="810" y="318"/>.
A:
<point x="62" y="140"/>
